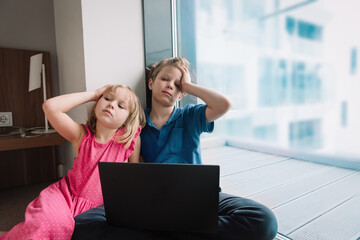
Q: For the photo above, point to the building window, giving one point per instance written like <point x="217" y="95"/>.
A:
<point x="353" y="61"/>
<point x="344" y="111"/>
<point x="266" y="133"/>
<point x="305" y="134"/>
<point x="290" y="25"/>
<point x="306" y="30"/>
<point x="309" y="31"/>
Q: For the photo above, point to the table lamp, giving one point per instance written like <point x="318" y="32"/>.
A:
<point x="37" y="69"/>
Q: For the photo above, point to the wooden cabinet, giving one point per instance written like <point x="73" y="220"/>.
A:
<point x="28" y="160"/>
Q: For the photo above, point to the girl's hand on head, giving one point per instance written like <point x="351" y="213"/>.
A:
<point x="99" y="92"/>
<point x="185" y="79"/>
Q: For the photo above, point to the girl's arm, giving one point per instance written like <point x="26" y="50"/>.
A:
<point x="55" y="110"/>
<point x="135" y="156"/>
<point x="217" y="104"/>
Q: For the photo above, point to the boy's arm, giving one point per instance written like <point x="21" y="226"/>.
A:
<point x="217" y="104"/>
<point x="55" y="110"/>
<point x="135" y="156"/>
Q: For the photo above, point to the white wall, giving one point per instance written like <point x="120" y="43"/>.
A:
<point x="98" y="42"/>
<point x="70" y="47"/>
<point x="113" y="43"/>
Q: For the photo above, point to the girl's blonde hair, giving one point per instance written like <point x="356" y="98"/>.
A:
<point x="135" y="119"/>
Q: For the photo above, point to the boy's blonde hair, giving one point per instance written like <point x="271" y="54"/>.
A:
<point x="135" y="119"/>
<point x="154" y="69"/>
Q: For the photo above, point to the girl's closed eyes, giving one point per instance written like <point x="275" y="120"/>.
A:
<point x="120" y="105"/>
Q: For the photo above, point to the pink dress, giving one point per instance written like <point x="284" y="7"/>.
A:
<point x="51" y="214"/>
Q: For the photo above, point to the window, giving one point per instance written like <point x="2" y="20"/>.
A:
<point x="277" y="65"/>
<point x="282" y="65"/>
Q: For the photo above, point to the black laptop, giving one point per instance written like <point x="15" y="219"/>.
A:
<point x="157" y="196"/>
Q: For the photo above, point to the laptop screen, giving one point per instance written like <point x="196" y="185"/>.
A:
<point x="157" y="196"/>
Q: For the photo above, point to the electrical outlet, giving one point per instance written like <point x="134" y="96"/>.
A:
<point x="6" y="119"/>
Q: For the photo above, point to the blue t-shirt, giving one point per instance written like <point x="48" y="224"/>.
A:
<point x="178" y="141"/>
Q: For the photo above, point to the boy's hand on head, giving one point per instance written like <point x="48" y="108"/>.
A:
<point x="217" y="104"/>
<point x="185" y="79"/>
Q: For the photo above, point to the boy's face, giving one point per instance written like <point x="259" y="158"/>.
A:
<point x="165" y="88"/>
<point x="112" y="109"/>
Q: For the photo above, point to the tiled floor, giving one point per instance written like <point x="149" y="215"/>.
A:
<point x="310" y="200"/>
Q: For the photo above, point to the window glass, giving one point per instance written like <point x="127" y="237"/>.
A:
<point x="353" y="61"/>
<point x="285" y="67"/>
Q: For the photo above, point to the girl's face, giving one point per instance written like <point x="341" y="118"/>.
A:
<point x="112" y="109"/>
<point x="166" y="86"/>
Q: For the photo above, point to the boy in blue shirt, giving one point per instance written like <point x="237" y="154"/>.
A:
<point x="172" y="135"/>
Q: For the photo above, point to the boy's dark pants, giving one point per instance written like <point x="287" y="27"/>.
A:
<point x="239" y="218"/>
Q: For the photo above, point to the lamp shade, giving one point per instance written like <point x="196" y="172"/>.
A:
<point x="35" y="72"/>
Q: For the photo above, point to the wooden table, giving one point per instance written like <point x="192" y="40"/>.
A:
<point x="17" y="142"/>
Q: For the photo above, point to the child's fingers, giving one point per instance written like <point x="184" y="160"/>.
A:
<point x="186" y="75"/>
<point x="100" y="91"/>
<point x="185" y="70"/>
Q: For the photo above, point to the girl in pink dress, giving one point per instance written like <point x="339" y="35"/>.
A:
<point x="109" y="135"/>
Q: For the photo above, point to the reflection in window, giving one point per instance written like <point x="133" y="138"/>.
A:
<point x="343" y="114"/>
<point x="290" y="25"/>
<point x="233" y="129"/>
<point x="267" y="78"/>
<point x="213" y="76"/>
<point x="266" y="133"/>
<point x="303" y="86"/>
<point x="309" y="31"/>
<point x="305" y="30"/>
<point x="252" y="9"/>
<point x="353" y="61"/>
<point x="305" y="134"/>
